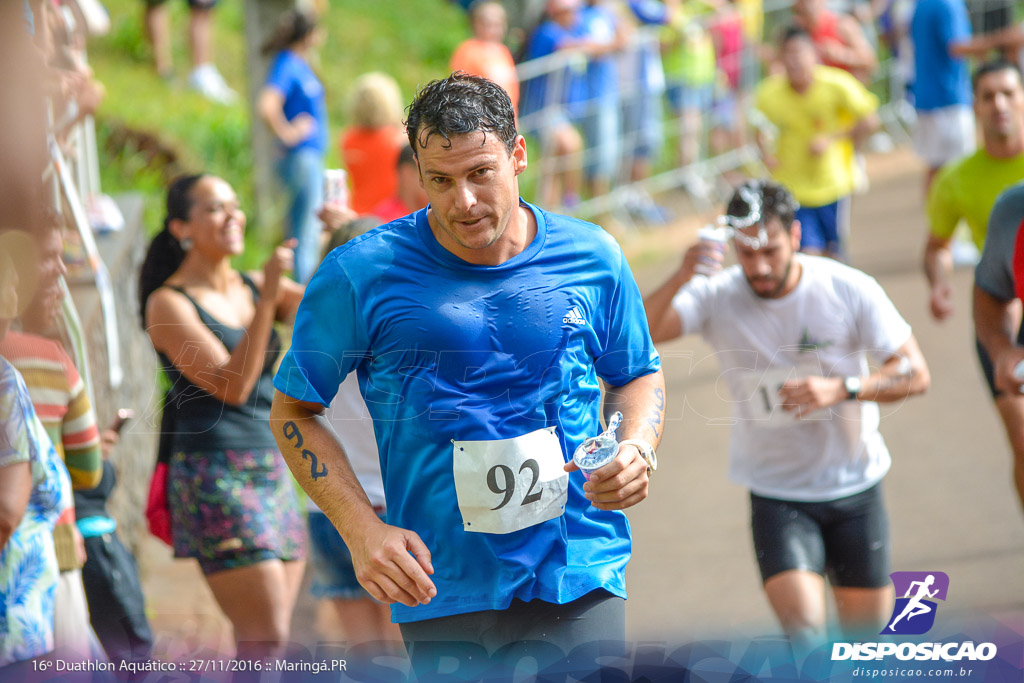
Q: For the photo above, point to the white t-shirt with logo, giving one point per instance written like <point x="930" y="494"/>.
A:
<point x="837" y="322"/>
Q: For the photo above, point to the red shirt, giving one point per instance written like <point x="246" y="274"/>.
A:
<point x="827" y="31"/>
<point x="490" y="60"/>
<point x="727" y="33"/>
<point x="390" y="209"/>
<point x="1018" y="262"/>
<point x="370" y="156"/>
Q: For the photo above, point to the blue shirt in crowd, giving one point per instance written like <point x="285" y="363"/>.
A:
<point x="598" y="24"/>
<point x="447" y="350"/>
<point x="303" y="94"/>
<point x="566" y="87"/>
<point x="942" y="80"/>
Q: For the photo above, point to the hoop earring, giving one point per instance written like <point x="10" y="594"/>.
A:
<point x="186" y="244"/>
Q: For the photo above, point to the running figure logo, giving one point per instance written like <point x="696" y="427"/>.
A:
<point x="914" y="613"/>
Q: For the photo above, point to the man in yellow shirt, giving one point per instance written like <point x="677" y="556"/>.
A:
<point x="820" y="112"/>
<point x="967" y="188"/>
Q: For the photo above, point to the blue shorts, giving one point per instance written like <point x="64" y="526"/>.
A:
<point x="724" y="111"/>
<point x="824" y="228"/>
<point x="333" y="573"/>
<point x="601" y="136"/>
<point x="682" y="96"/>
<point x="642" y="124"/>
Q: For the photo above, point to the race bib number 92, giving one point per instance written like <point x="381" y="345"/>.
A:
<point x="510" y="484"/>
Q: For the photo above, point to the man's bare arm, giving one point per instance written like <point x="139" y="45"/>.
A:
<point x="624" y="482"/>
<point x="393" y="564"/>
<point x="996" y="326"/>
<point x="938" y="268"/>
<point x="902" y="375"/>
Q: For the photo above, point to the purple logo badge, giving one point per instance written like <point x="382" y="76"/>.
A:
<point x="916" y="592"/>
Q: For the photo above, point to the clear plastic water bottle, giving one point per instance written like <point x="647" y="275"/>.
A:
<point x="716" y="238"/>
<point x="597" y="451"/>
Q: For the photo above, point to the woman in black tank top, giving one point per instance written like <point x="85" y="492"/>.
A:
<point x="232" y="503"/>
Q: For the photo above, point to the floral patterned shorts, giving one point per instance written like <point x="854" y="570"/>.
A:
<point x="234" y="508"/>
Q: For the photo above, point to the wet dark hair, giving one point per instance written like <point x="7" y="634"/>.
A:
<point x="293" y="26"/>
<point x="458" y="105"/>
<point x="792" y="32"/>
<point x="165" y="253"/>
<point x="776" y="201"/>
<point x="993" y="66"/>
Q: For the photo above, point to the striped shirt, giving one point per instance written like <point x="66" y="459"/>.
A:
<point x="61" y="401"/>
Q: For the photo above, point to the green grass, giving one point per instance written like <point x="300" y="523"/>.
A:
<point x="411" y="40"/>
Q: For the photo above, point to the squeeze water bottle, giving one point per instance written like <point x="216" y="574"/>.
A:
<point x="597" y="451"/>
<point x="716" y="238"/>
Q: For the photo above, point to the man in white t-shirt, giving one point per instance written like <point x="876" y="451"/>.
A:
<point x="808" y="347"/>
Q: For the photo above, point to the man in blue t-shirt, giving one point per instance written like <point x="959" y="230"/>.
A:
<point x="554" y="100"/>
<point x="480" y="329"/>
<point x="940" y="31"/>
<point x="605" y="36"/>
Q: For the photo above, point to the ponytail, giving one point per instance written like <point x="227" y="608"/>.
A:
<point x="165" y="254"/>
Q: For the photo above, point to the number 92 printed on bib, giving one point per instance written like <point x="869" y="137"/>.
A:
<point x="510" y="484"/>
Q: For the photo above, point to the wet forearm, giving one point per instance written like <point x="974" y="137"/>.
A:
<point x="319" y="463"/>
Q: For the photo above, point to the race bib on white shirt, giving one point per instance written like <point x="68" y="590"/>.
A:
<point x="510" y="484"/>
<point x="761" y="393"/>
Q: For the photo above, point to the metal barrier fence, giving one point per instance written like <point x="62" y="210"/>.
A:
<point x="73" y="175"/>
<point x="677" y="120"/>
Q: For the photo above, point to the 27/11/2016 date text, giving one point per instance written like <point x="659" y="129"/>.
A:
<point x="232" y="665"/>
<point x="192" y="665"/>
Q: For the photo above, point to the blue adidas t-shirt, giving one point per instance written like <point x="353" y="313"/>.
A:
<point x="303" y="94"/>
<point x="446" y="350"/>
<point x="942" y="80"/>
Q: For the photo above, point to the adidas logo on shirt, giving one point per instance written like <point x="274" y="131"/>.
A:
<point x="574" y="317"/>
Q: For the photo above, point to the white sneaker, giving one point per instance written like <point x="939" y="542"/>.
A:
<point x="207" y="81"/>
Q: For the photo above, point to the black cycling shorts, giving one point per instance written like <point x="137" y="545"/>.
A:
<point x="847" y="538"/>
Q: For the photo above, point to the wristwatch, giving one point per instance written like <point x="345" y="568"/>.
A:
<point x="853" y="386"/>
<point x="646" y="452"/>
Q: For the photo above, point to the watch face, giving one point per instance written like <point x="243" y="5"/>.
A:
<point x="853" y="385"/>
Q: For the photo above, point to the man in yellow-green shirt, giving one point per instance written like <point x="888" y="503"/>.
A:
<point x="820" y="112"/>
<point x="967" y="188"/>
